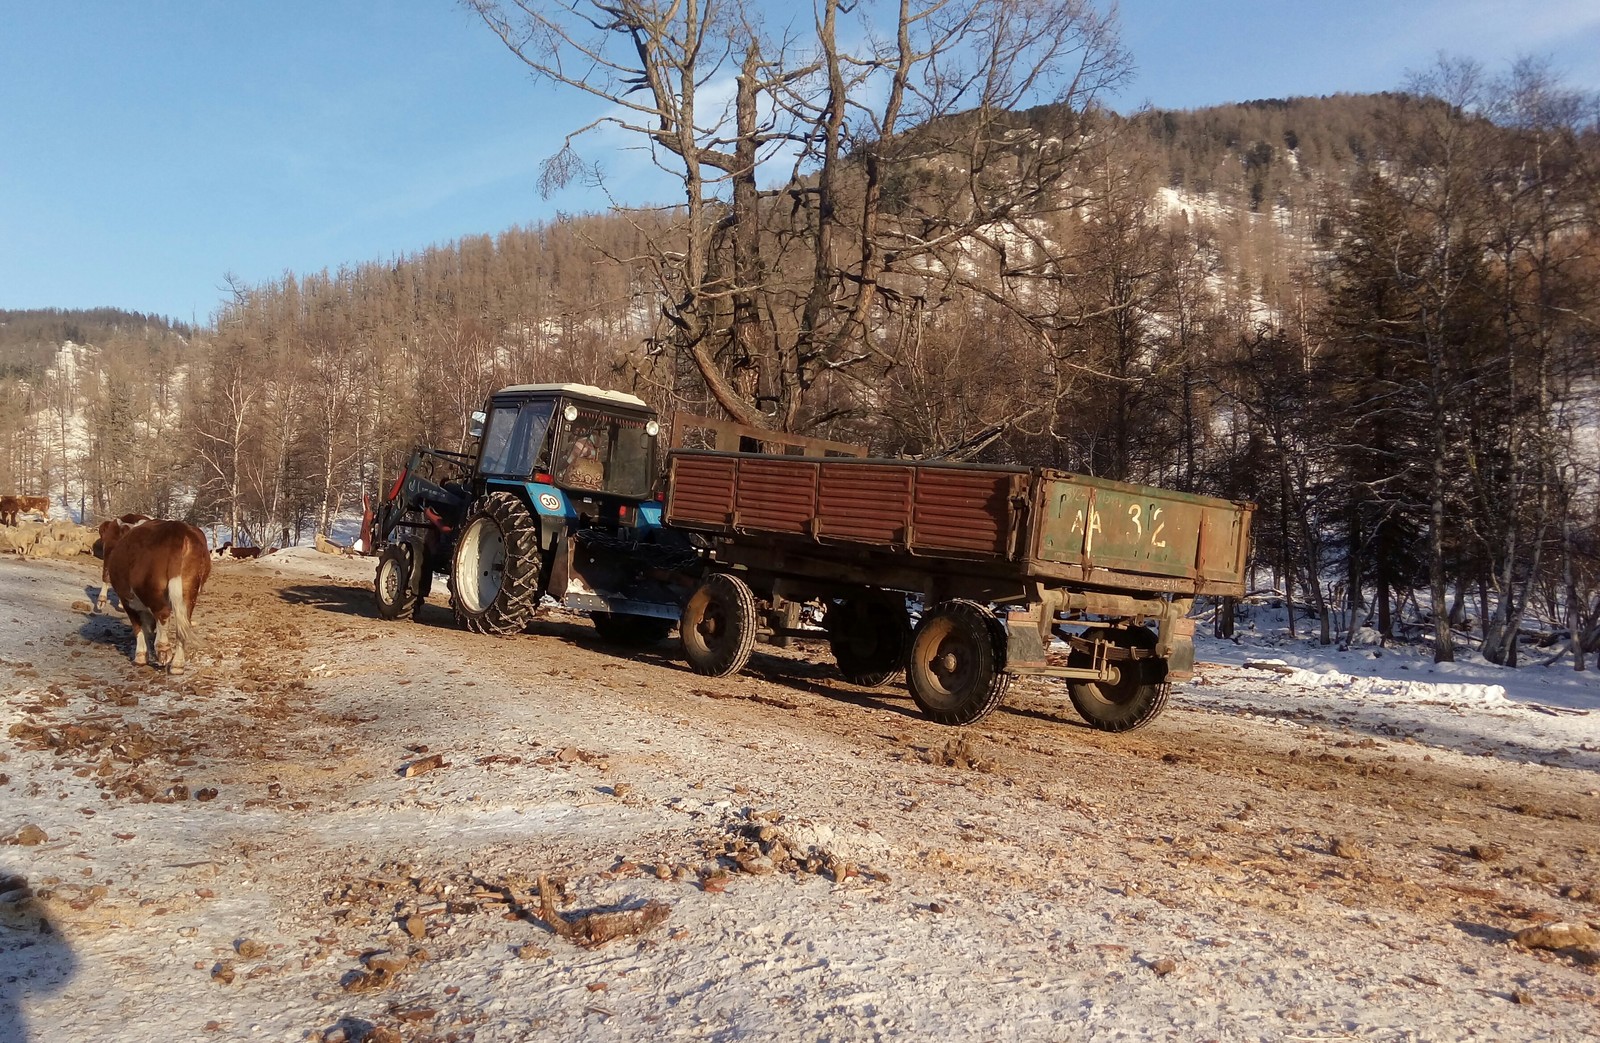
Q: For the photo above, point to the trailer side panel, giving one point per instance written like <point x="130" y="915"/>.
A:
<point x="925" y="509"/>
<point x="1049" y="524"/>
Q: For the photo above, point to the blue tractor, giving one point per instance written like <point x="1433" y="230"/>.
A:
<point x="559" y="500"/>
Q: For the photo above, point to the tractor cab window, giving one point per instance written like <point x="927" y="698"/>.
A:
<point x="605" y="453"/>
<point x="514" y="437"/>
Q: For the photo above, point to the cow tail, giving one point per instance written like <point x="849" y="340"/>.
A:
<point x="180" y="608"/>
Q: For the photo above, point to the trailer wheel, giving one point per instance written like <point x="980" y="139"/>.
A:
<point x="392" y="582"/>
<point x="1135" y="700"/>
<point x="719" y="624"/>
<point x="623" y="629"/>
<point x="869" y="636"/>
<point x="956" y="669"/>
<point x="494" y="580"/>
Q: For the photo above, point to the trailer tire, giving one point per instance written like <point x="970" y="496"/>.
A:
<point x="1135" y="700"/>
<point x="956" y="670"/>
<point x="719" y="624"/>
<point x="870" y="636"/>
<point x="494" y="579"/>
<point x="391" y="583"/>
<point x="620" y="628"/>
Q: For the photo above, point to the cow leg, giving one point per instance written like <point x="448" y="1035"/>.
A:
<point x="152" y="636"/>
<point x="163" y="640"/>
<point x="141" y="654"/>
<point x="145" y="626"/>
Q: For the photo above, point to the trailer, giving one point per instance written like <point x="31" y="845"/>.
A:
<point x="1016" y="572"/>
<point x="1012" y="571"/>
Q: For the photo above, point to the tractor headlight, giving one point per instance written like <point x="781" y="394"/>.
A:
<point x="652" y="428"/>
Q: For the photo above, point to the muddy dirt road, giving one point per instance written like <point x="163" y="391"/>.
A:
<point x="340" y="828"/>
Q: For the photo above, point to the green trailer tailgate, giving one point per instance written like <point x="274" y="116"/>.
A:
<point x="1102" y="525"/>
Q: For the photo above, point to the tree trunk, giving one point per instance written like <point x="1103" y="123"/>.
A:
<point x="1225" y="617"/>
<point x="1443" y="645"/>
<point x="1283" y="537"/>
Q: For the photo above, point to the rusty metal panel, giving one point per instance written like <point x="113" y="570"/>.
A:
<point x="962" y="510"/>
<point x="773" y="494"/>
<point x="866" y="503"/>
<point x="700" y="492"/>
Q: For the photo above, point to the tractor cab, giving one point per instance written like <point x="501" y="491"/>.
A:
<point x="570" y="439"/>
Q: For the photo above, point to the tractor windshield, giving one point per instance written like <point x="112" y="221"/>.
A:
<point x="607" y="453"/>
<point x="514" y="436"/>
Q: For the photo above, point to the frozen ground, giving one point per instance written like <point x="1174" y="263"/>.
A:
<point x="1306" y="846"/>
<point x="1547" y="714"/>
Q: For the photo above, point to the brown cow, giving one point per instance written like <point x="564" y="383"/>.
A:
<point x="158" y="569"/>
<point x="9" y="507"/>
<point x="111" y="531"/>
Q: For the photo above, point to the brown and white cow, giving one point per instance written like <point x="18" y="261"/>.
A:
<point x="111" y="531"/>
<point x="39" y="505"/>
<point x="158" y="569"/>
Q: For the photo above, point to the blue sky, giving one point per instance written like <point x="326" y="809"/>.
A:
<point x="149" y="148"/>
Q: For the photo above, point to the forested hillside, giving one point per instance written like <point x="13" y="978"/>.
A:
<point x="88" y="400"/>
<point x="1375" y="316"/>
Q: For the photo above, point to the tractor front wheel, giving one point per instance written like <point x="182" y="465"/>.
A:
<point x="392" y="583"/>
<point x="494" y="579"/>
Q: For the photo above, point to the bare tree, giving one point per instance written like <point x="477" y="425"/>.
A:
<point x="1538" y="233"/>
<point x="222" y="414"/>
<point x="896" y="156"/>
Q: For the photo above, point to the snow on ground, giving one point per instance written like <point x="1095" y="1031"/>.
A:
<point x="1542" y="714"/>
<point x="1315" y="848"/>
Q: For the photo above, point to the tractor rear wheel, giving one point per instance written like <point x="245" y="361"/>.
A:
<point x="869" y="636"/>
<point x="1135" y="699"/>
<point x="392" y="582"/>
<point x="494" y="580"/>
<point x="956" y="671"/>
<point x="719" y="625"/>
